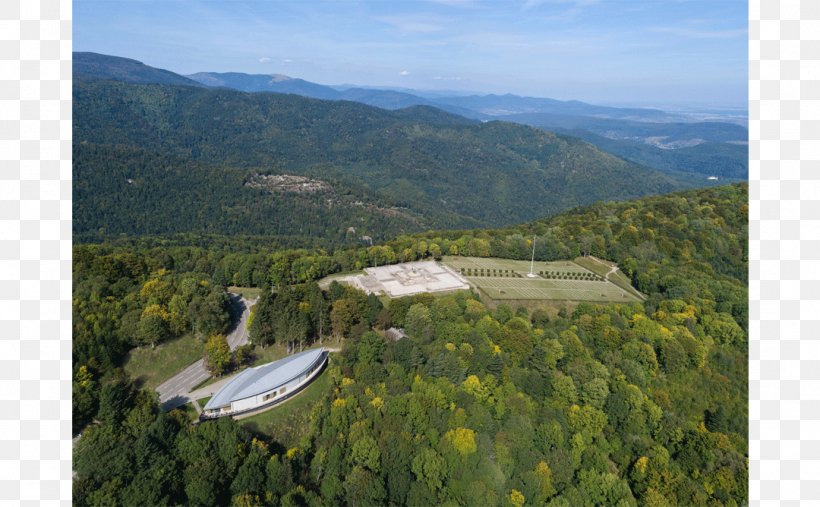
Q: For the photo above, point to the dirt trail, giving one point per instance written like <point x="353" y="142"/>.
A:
<point x="613" y="269"/>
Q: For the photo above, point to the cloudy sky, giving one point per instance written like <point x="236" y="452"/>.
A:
<point x="638" y="52"/>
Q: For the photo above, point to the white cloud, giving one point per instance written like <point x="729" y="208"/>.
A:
<point x="264" y="59"/>
<point x="404" y="73"/>
<point x="287" y="60"/>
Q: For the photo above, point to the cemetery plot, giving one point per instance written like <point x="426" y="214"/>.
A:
<point x="505" y="279"/>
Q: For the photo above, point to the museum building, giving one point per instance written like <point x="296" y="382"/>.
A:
<point x="266" y="385"/>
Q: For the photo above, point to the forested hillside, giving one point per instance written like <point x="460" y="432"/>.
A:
<point x="381" y="172"/>
<point x="669" y="142"/>
<point x="640" y="404"/>
<point x="86" y="64"/>
<point x="727" y="161"/>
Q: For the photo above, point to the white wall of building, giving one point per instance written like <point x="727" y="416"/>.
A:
<point x="289" y="387"/>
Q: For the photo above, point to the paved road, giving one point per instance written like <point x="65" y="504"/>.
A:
<point x="174" y="391"/>
<point x="211" y="389"/>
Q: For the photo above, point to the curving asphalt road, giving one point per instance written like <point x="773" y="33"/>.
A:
<point x="174" y="391"/>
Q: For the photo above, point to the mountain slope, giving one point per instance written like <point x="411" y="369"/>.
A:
<point x="616" y="130"/>
<point x="499" y="105"/>
<point x="95" y="65"/>
<point x="275" y="83"/>
<point x="446" y="169"/>
<point x="724" y="160"/>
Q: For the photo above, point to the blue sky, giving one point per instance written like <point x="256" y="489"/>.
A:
<point x="640" y="52"/>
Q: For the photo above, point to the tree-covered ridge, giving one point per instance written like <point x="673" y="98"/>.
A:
<point x="427" y="168"/>
<point x="142" y="191"/>
<point x="86" y="64"/>
<point x="640" y="404"/>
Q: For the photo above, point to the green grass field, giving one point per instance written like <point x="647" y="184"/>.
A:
<point x="506" y="280"/>
<point x="521" y="267"/>
<point x="151" y="367"/>
<point x="289" y="422"/>
<point x="246" y="292"/>
<point x="269" y="354"/>
<point x="603" y="267"/>
<point x="325" y="282"/>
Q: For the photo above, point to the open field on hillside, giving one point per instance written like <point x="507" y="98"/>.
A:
<point x="246" y="292"/>
<point x="288" y="422"/>
<point x="505" y="279"/>
<point x="153" y="366"/>
<point x="325" y="282"/>
<point x="604" y="268"/>
<point x="522" y="267"/>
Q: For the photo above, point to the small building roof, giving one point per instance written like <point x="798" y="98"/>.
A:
<point x="260" y="379"/>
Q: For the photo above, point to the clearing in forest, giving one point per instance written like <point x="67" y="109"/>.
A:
<point x="506" y="279"/>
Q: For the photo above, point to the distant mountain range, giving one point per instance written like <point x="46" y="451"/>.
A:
<point x="171" y="158"/>
<point x="645" y="136"/>
<point x="471" y="106"/>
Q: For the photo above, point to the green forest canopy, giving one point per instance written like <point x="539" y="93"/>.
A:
<point x="167" y="159"/>
<point x="615" y="404"/>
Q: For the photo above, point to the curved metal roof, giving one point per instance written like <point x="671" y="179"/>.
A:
<point x="263" y="378"/>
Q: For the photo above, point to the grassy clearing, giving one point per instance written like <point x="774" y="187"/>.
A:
<point x="595" y="267"/>
<point x="536" y="289"/>
<point x="204" y="401"/>
<point x="325" y="282"/>
<point x="506" y="280"/>
<point x="521" y="267"/>
<point x="269" y="354"/>
<point x="622" y="281"/>
<point x="151" y="367"/>
<point x="246" y="292"/>
<point x="618" y="277"/>
<point x="289" y="422"/>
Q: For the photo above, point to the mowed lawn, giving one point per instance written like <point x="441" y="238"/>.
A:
<point x="539" y="288"/>
<point x="246" y="292"/>
<point x="151" y="367"/>
<point x="325" y="282"/>
<point x="603" y="267"/>
<point x="521" y="267"/>
<point x="290" y="421"/>
<point x="271" y="353"/>
<point x="502" y="285"/>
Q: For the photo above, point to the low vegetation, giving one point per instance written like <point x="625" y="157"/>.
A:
<point x="289" y="422"/>
<point x="509" y="280"/>
<point x="246" y="292"/>
<point x="151" y="366"/>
